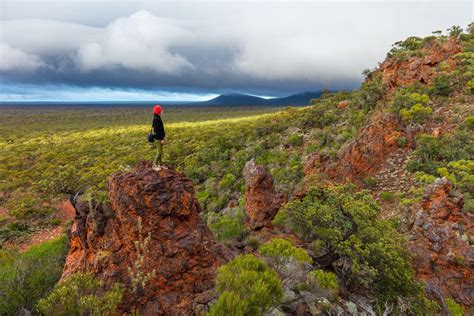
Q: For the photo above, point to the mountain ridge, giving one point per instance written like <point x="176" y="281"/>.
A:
<point x="237" y="99"/>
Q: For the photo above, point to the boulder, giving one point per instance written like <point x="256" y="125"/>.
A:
<point x="181" y="256"/>
<point x="439" y="240"/>
<point x="262" y="201"/>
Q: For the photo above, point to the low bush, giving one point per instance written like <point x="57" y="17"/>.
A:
<point x="229" y="303"/>
<point x="246" y="286"/>
<point x="225" y="227"/>
<point x="423" y="178"/>
<point x="417" y="113"/>
<point x="14" y="230"/>
<point x="27" y="206"/>
<point x="402" y="142"/>
<point x="460" y="173"/>
<point x="81" y="294"/>
<point x="279" y="249"/>
<point x="295" y="140"/>
<point x="323" y="279"/>
<point x="433" y="153"/>
<point x="454" y="308"/>
<point x="405" y="98"/>
<point x="449" y="156"/>
<point x="387" y="196"/>
<point x="370" y="182"/>
<point x="27" y="277"/>
<point x="401" y="49"/>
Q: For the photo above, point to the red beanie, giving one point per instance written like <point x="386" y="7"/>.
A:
<point x="157" y="109"/>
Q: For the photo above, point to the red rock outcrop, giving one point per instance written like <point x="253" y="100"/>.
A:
<point x="262" y="201"/>
<point x="416" y="69"/>
<point x="439" y="240"/>
<point x="181" y="252"/>
<point x="362" y="157"/>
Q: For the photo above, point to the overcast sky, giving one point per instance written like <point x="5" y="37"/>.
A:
<point x="154" y="50"/>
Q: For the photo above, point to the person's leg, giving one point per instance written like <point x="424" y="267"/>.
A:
<point x="159" y="153"/>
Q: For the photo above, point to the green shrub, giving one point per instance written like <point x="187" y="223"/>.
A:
<point x="323" y="279"/>
<point x="375" y="255"/>
<point x="225" y="227"/>
<point x="370" y="92"/>
<point x="248" y="284"/>
<point x="424" y="178"/>
<point x="469" y="123"/>
<point x="442" y="86"/>
<point x="61" y="179"/>
<point x="55" y="221"/>
<point x="387" y="196"/>
<point x="82" y="294"/>
<point x="428" y="155"/>
<point x="468" y="202"/>
<point x="27" y="277"/>
<point x="417" y="113"/>
<point x="27" y="207"/>
<point x="295" y="140"/>
<point x="321" y="283"/>
<point x="12" y="231"/>
<point x="400" y="48"/>
<point x="370" y="182"/>
<point x="282" y="249"/>
<point x="433" y="153"/>
<point x="253" y="242"/>
<point x="402" y="142"/>
<point x="231" y="304"/>
<point x="227" y="182"/>
<point x="453" y="307"/>
<point x="406" y="98"/>
<point x="460" y="173"/>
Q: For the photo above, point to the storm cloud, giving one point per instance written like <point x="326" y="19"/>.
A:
<point x="200" y="47"/>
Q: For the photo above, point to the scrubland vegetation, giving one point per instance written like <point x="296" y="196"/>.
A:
<point x="336" y="223"/>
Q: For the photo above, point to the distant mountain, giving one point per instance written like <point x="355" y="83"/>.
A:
<point x="296" y="99"/>
<point x="245" y="99"/>
<point x="235" y="99"/>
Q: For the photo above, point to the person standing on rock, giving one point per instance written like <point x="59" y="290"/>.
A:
<point x="159" y="136"/>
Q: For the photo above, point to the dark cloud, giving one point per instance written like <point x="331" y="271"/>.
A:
<point x="259" y="48"/>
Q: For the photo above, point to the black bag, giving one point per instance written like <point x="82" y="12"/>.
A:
<point x="151" y="136"/>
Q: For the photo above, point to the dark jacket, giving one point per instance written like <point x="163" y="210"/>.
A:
<point x="158" y="128"/>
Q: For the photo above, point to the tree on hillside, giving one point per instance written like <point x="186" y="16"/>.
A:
<point x="455" y="31"/>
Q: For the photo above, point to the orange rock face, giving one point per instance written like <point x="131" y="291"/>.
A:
<point x="422" y="69"/>
<point x="443" y="258"/>
<point x="182" y="251"/>
<point x="262" y="201"/>
<point x="362" y="157"/>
